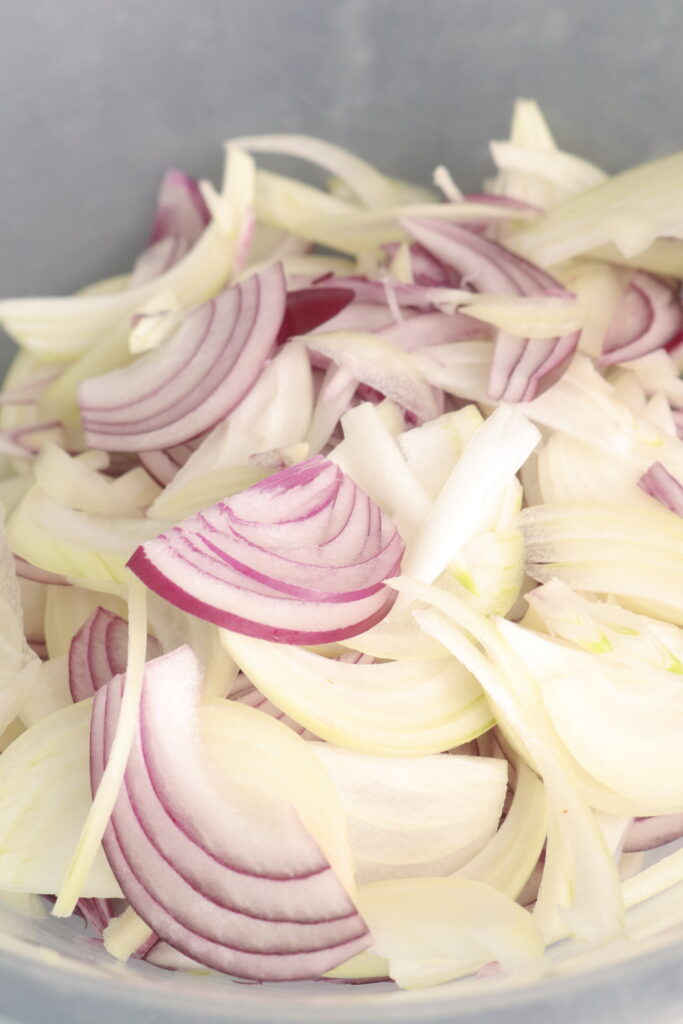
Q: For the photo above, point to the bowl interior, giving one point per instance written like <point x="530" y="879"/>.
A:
<point x="99" y="101"/>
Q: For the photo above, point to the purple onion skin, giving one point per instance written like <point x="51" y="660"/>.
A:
<point x="308" y="308"/>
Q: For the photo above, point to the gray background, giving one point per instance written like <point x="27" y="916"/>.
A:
<point x="97" y="97"/>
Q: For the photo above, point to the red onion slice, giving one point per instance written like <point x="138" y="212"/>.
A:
<point x="25" y="442"/>
<point x="163" y="465"/>
<point x="427" y="329"/>
<point x="308" y="308"/>
<point x="649" y="833"/>
<point x="298" y="558"/>
<point x="375" y="292"/>
<point x="426" y="270"/>
<point x="648" y="316"/>
<point x="660" y="484"/>
<point x="26" y="571"/>
<point x="180" y="218"/>
<point x="245" y="692"/>
<point x="96" y="911"/>
<point x="199" y="864"/>
<point x="678" y="420"/>
<point x="99" y="651"/>
<point x="521" y="368"/>
<point x="192" y="380"/>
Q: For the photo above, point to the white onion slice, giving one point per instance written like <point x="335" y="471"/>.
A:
<point x="415" y="816"/>
<point x="45" y="787"/>
<point x="400" y="709"/>
<point x="371" y="187"/>
<point x="431" y="930"/>
<point x="634" y="552"/>
<point x="581" y="885"/>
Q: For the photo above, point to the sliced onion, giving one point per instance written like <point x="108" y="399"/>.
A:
<point x="606" y="629"/>
<point x="244" y="745"/>
<point x="648" y="316"/>
<point x="398" y="709"/>
<point x="64" y="327"/>
<point x="678" y="420"/>
<point x="367" y="446"/>
<point x="180" y="218"/>
<point x="636" y="711"/>
<point x="375" y="292"/>
<point x="67" y="610"/>
<point x="430" y="272"/>
<point x="581" y="887"/>
<point x="308" y="308"/>
<point x="631" y="209"/>
<point x="371" y="187"/>
<point x="193" y="380"/>
<point x="418" y="816"/>
<point x="26" y="441"/>
<point x="266" y="421"/>
<point x="374" y="360"/>
<point x="181" y="209"/>
<point x="660" y="484"/>
<point x="96" y="912"/>
<point x="30" y="389"/>
<point x="99" y="651"/>
<point x="198" y="863"/>
<point x="521" y="367"/>
<point x="82" y="483"/>
<point x="428" y="329"/>
<point x="472" y="491"/>
<point x="298" y="558"/>
<point x="245" y="692"/>
<point x="633" y="552"/>
<point x="45" y="795"/>
<point x="162" y="465"/>
<point x="650" y="833"/>
<point x="508" y="860"/>
<point x="432" y="450"/>
<point x="431" y="930"/>
<point x="26" y="571"/>
<point x="84" y="547"/>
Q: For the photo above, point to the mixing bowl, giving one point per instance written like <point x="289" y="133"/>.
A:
<point x="98" y="99"/>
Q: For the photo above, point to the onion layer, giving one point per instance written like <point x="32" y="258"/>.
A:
<point x="660" y="484"/>
<point x="98" y="652"/>
<point x="298" y="558"/>
<point x="194" y="379"/>
<point x="198" y="863"/>
<point x="648" y="316"/>
<point x="522" y="367"/>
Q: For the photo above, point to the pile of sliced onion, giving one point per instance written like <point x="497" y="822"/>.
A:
<point x="340" y="588"/>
